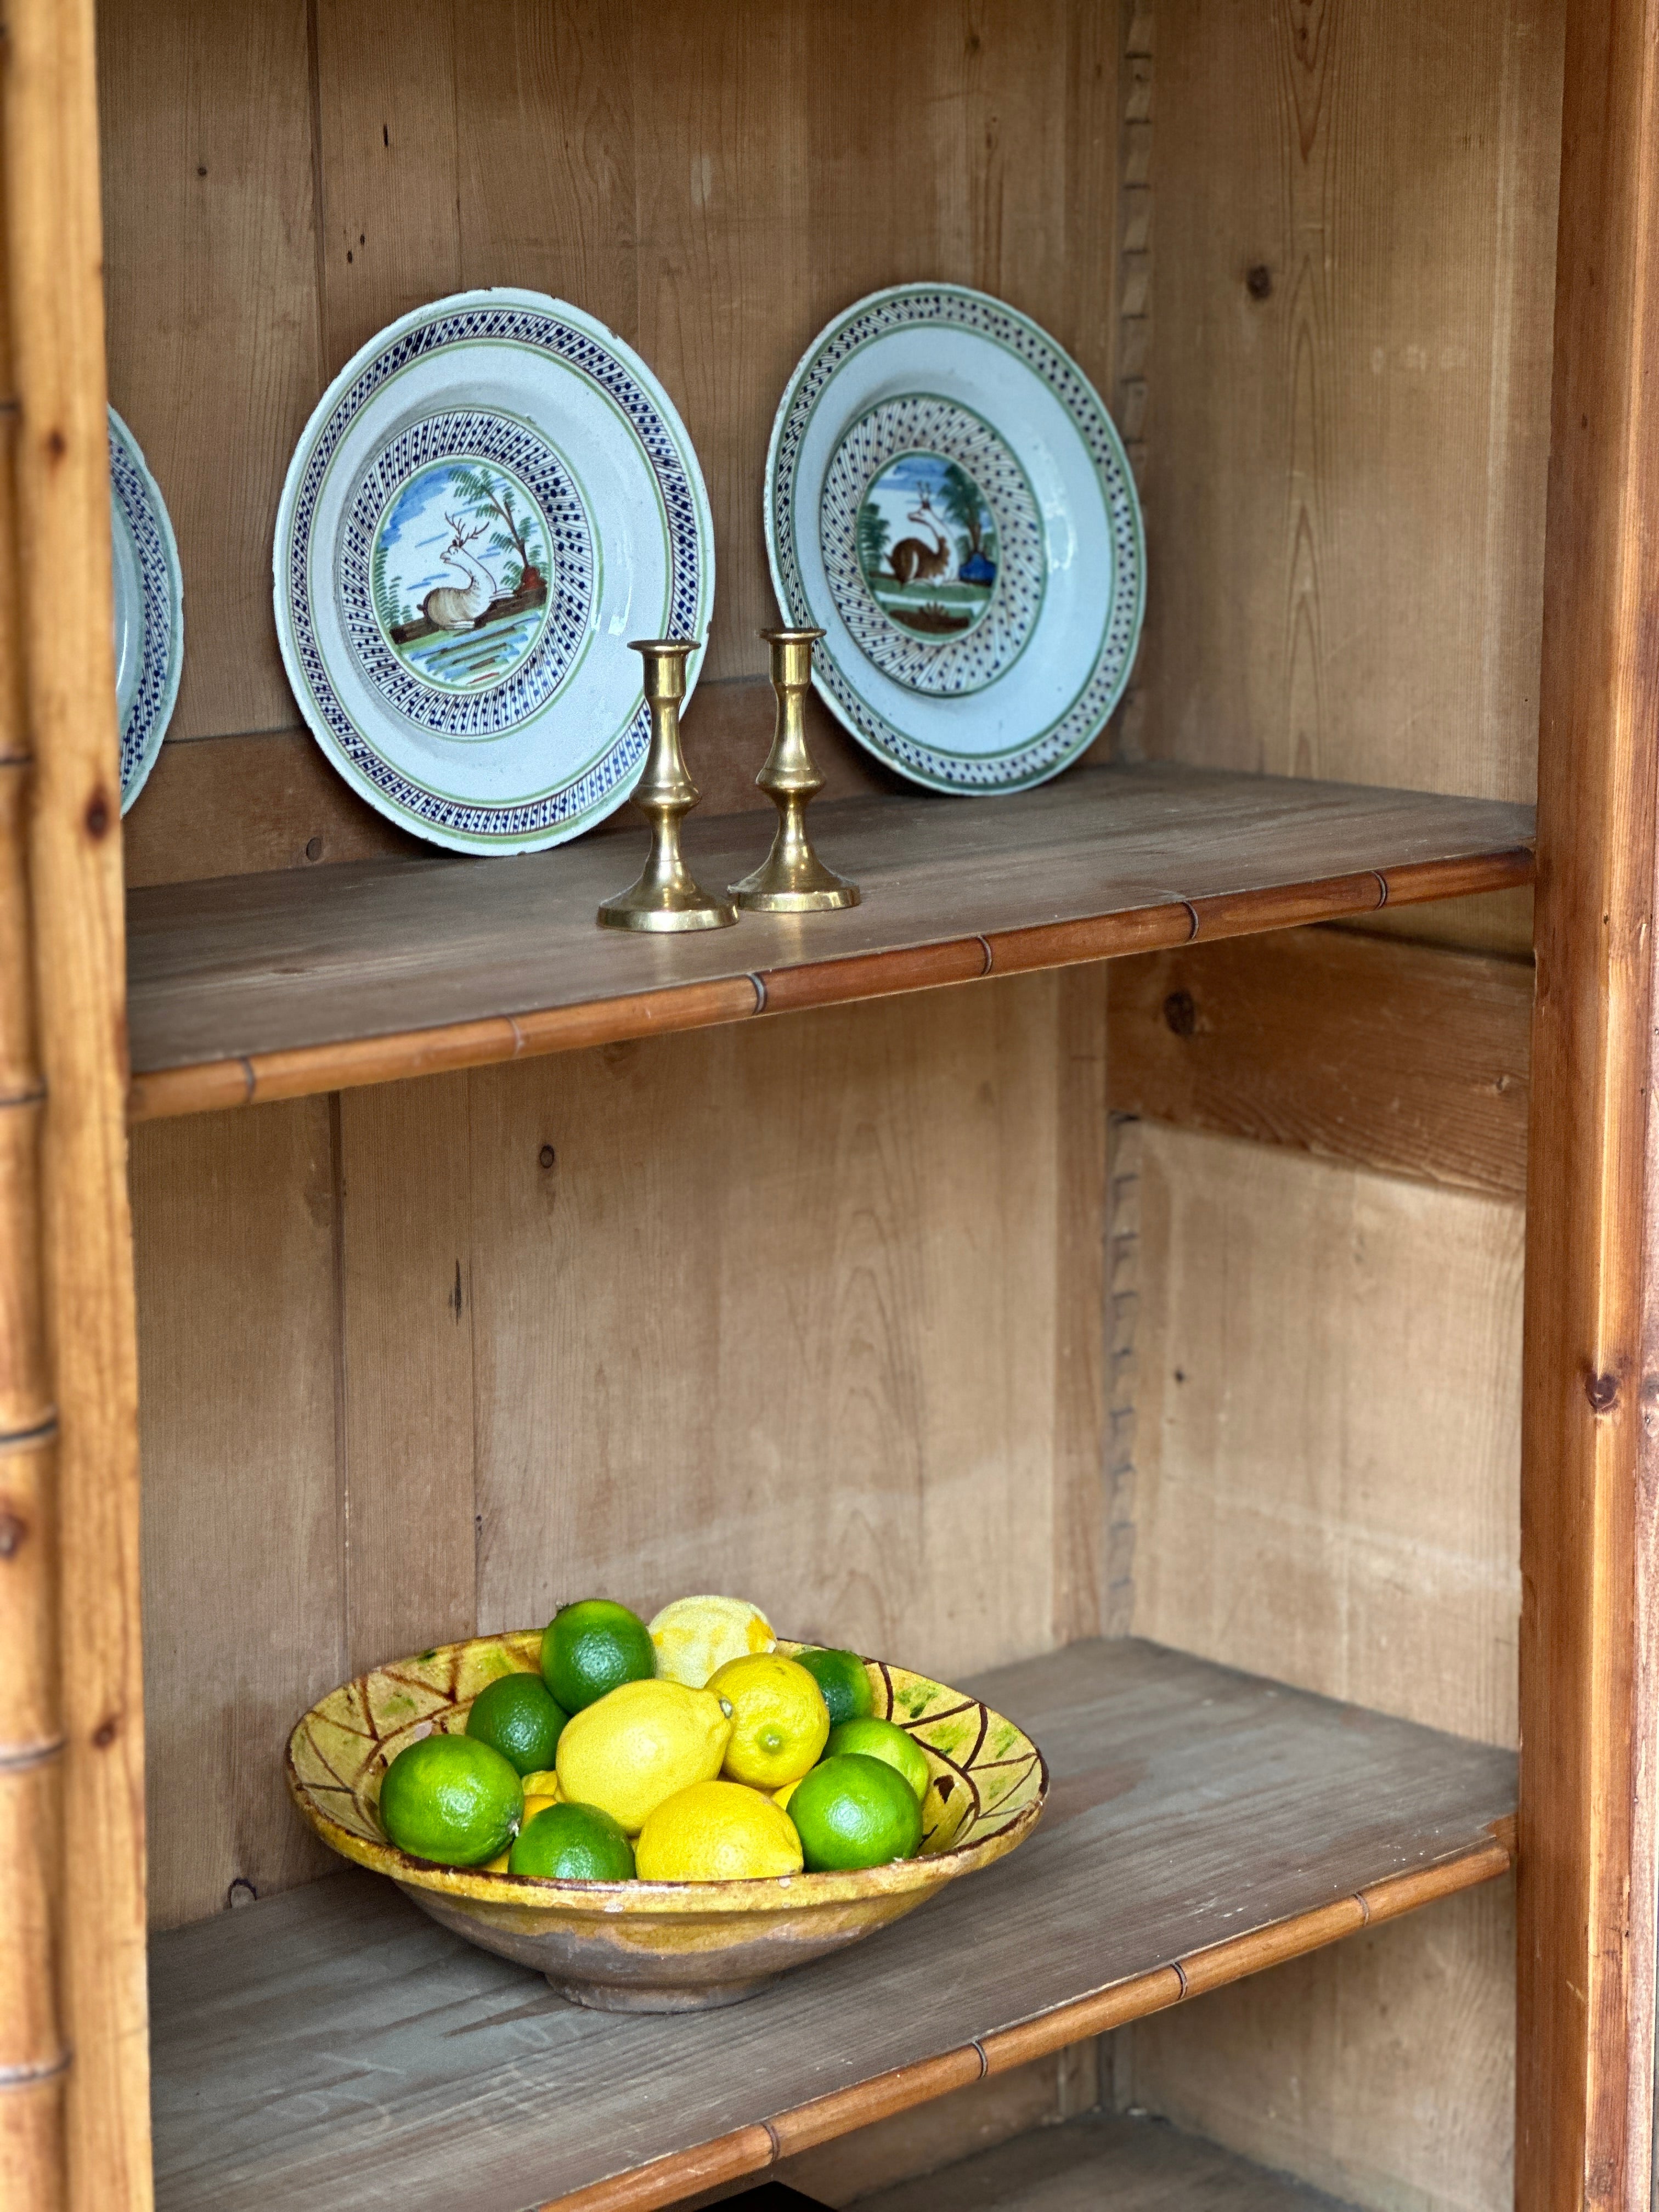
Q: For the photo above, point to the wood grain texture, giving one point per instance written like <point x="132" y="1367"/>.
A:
<point x="243" y="806"/>
<point x="1348" y="380"/>
<point x="1162" y="1765"/>
<point x="48" y="103"/>
<point x="406" y="1385"/>
<point x="1326" y="1427"/>
<point x="1129" y="2165"/>
<point x="959" y="2125"/>
<point x="1396" y="1056"/>
<point x="1107" y="860"/>
<point x="809" y="1282"/>
<point x="244" y="1538"/>
<point x="1381" y="2069"/>
<point x="213" y="351"/>
<point x="713" y="196"/>
<point x="1591" y="1463"/>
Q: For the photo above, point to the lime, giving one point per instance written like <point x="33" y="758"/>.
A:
<point x="844" y="1681"/>
<point x="696" y="1635"/>
<point x="717" y="1831"/>
<point x="591" y="1647"/>
<point x="885" y="1739"/>
<point x="855" y="1811"/>
<point x="573" y="1843"/>
<point x="779" y="1719"/>
<point x="517" y="1715"/>
<point x="629" y="1750"/>
<point x="450" y="1799"/>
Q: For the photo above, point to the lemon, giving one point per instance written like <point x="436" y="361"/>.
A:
<point x="717" y="1831"/>
<point x="450" y="1799"/>
<point x="885" y="1739"/>
<point x="780" y="1722"/>
<point x="696" y="1635"/>
<point x="782" y="1796"/>
<point x="638" y="1744"/>
<point x="545" y="1782"/>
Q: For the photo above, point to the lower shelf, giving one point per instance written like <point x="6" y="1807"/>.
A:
<point x="1101" y="2164"/>
<point x="333" y="2044"/>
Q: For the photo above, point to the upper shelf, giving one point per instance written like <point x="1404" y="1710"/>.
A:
<point x="333" y="2044"/>
<point x="265" y="987"/>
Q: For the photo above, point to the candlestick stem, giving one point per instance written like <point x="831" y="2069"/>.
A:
<point x="667" y="895"/>
<point x="792" y="879"/>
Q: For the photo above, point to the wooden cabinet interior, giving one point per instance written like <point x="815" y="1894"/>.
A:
<point x="1238" y="1370"/>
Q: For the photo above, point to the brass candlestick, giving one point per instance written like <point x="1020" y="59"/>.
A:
<point x="667" y="895"/>
<point x="792" y="879"/>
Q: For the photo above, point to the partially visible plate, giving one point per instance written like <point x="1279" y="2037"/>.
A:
<point x="948" y="500"/>
<point x="150" y="609"/>
<point x="489" y="501"/>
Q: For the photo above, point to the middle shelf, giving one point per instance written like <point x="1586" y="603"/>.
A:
<point x="1202" y="1824"/>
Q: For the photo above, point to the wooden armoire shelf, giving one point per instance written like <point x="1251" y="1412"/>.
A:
<point x="331" y="2045"/>
<point x="275" y="985"/>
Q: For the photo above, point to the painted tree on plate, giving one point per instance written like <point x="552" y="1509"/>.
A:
<point x="873" y="536"/>
<point x="388" y="600"/>
<point x="490" y="497"/>
<point x="960" y="498"/>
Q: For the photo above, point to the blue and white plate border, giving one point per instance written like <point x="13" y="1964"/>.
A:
<point x="1046" y="752"/>
<point x="605" y="783"/>
<point x="162" y="655"/>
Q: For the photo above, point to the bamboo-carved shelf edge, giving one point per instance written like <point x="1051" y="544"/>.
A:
<point x="261" y="1078"/>
<point x="750" y="2150"/>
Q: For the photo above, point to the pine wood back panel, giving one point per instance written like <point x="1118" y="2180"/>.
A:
<point x="281" y="182"/>
<point x="796" y="1313"/>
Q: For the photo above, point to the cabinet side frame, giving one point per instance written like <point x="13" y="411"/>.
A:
<point x="1591" y="1411"/>
<point x="61" y="647"/>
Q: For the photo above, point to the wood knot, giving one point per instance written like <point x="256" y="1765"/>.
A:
<point x="314" y="848"/>
<point x="241" y="1891"/>
<point x="1259" y="281"/>
<point x="97" y="815"/>
<point x="106" y="1733"/>
<point x="547" y="1156"/>
<point x="1602" y="1391"/>
<point x="1180" y="1015"/>
<point x="14" y="1533"/>
<point x="57" y="446"/>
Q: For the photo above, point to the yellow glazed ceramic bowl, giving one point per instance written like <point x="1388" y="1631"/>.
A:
<point x="658" y="1945"/>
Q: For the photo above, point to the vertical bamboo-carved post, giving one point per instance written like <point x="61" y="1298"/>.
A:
<point x="75" y="1975"/>
<point x="1587" y="1942"/>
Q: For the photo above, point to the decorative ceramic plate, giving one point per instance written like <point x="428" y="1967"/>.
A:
<point x="658" y="1945"/>
<point x="490" y="500"/>
<point x="947" y="498"/>
<point x="150" y="609"/>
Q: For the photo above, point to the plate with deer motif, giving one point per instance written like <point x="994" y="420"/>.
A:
<point x="493" y="497"/>
<point x="148" y="589"/>
<point x="947" y="498"/>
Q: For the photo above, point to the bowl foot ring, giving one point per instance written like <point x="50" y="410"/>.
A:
<point x="615" y="1996"/>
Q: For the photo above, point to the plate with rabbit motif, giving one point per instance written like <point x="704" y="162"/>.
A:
<point x="493" y="497"/>
<point x="148" y="595"/>
<point x="947" y="498"/>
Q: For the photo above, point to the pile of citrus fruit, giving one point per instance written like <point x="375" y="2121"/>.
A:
<point x="690" y="1749"/>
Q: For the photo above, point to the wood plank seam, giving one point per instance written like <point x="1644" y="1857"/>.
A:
<point x="1184" y="1979"/>
<point x="255" y="1078"/>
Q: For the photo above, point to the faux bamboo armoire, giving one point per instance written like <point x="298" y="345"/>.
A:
<point x="1229" y="1318"/>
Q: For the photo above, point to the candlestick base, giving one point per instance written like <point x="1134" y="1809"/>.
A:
<point x="792" y="879"/>
<point x="666" y="897"/>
